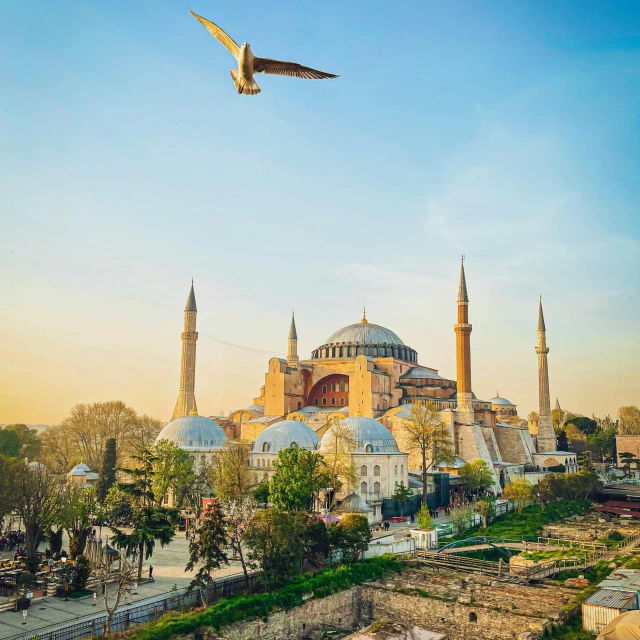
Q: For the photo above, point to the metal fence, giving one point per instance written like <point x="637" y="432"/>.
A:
<point x="133" y="615"/>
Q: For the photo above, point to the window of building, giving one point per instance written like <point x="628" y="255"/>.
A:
<point x="341" y="400"/>
<point x="376" y="487"/>
<point x="324" y="401"/>
<point x="341" y="385"/>
<point x="333" y="400"/>
<point x="384" y="405"/>
<point x="363" y="470"/>
<point x="363" y="488"/>
<point x="268" y="463"/>
<point x="324" y="388"/>
<point x="473" y="617"/>
<point x="315" y="401"/>
<point x="369" y="448"/>
<point x="265" y="447"/>
<point x="293" y="445"/>
<point x="334" y="386"/>
<point x="401" y="469"/>
<point x="376" y="470"/>
<point x="395" y="470"/>
<point x="263" y="462"/>
<point x="299" y="405"/>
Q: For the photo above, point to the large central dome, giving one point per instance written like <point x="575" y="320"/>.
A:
<point x="364" y="338"/>
<point x="364" y="333"/>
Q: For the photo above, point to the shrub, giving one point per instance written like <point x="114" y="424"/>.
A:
<point x="81" y="573"/>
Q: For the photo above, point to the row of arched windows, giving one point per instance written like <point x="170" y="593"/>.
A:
<point x="402" y="353"/>
<point x="324" y="400"/>
<point x="364" y="487"/>
<point x="364" y="471"/>
<point x="261" y="463"/>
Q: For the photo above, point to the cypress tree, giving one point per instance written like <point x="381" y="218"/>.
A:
<point x="107" y="473"/>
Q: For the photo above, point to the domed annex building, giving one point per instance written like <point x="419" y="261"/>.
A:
<point x="366" y="376"/>
<point x="284" y="434"/>
<point x="199" y="436"/>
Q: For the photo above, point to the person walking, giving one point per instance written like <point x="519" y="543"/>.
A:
<point x="150" y="572"/>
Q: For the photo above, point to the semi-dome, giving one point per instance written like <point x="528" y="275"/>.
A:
<point x="364" y="338"/>
<point x="193" y="433"/>
<point x="370" y="436"/>
<point x="284" y="435"/>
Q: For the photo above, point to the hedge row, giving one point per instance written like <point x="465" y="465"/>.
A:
<point x="260" y="605"/>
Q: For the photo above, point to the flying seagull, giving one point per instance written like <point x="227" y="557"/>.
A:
<point x="248" y="64"/>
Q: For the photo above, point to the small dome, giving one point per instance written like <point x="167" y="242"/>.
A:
<point x="353" y="503"/>
<point x="193" y="433"/>
<point x="77" y="471"/>
<point x="499" y="400"/>
<point x="82" y="466"/>
<point x="284" y="434"/>
<point x="370" y="435"/>
<point x="364" y="333"/>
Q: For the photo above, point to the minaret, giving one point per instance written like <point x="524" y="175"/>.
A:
<point x="186" y="402"/>
<point x="464" y="413"/>
<point x="558" y="407"/>
<point x="292" y="350"/>
<point x="546" y="435"/>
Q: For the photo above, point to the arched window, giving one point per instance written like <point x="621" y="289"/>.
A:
<point x="395" y="470"/>
<point x="341" y="400"/>
<point x="268" y="463"/>
<point x="293" y="445"/>
<point x="401" y="469"/>
<point x="324" y="388"/>
<point x="333" y="400"/>
<point x="315" y="401"/>
<point x="369" y="448"/>
<point x="324" y="401"/>
<point x="363" y="488"/>
<point x="334" y="386"/>
<point x="473" y="617"/>
<point x="341" y="385"/>
<point x="376" y="487"/>
<point x="265" y="447"/>
<point x="363" y="470"/>
<point x="376" y="470"/>
<point x="263" y="462"/>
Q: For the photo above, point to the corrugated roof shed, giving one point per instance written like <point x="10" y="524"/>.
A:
<point x="611" y="598"/>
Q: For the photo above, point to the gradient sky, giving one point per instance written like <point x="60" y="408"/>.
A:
<point x="508" y="131"/>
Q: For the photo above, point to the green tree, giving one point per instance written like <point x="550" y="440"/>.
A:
<point x="273" y="548"/>
<point x="629" y="420"/>
<point x="10" y="444"/>
<point x="403" y="495"/>
<point x="7" y="496"/>
<point x="626" y="459"/>
<point x="520" y="492"/>
<point x="557" y="418"/>
<point x="107" y="473"/>
<point x="461" y="519"/>
<point x="424" y="517"/>
<point x="173" y="472"/>
<point x="350" y="537"/>
<point x="118" y="505"/>
<point x="238" y="514"/>
<point x="338" y="445"/>
<point x="427" y="434"/>
<point x="562" y="442"/>
<point x="76" y="515"/>
<point x="545" y="490"/>
<point x="38" y="496"/>
<point x="476" y="476"/>
<point x="299" y="476"/>
<point x="208" y="550"/>
<point x="487" y="509"/>
<point x="81" y="573"/>
<point x="261" y="493"/>
<point x="150" y="523"/>
<point x="230" y="474"/>
<point x="29" y="440"/>
<point x="586" y="425"/>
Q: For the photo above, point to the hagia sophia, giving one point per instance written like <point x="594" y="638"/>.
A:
<point x="365" y="377"/>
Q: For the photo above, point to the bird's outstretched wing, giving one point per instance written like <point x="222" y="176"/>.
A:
<point x="218" y="34"/>
<point x="282" y="68"/>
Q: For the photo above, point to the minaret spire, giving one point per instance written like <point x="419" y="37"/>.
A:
<point x="465" y="414"/>
<point x="546" y="440"/>
<point x="186" y="403"/>
<point x="292" y="350"/>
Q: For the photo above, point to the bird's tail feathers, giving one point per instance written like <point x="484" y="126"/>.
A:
<point x="250" y="88"/>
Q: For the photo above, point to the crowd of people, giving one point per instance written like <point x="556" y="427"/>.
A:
<point x="10" y="539"/>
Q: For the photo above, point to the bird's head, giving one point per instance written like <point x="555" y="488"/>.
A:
<point x="246" y="45"/>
